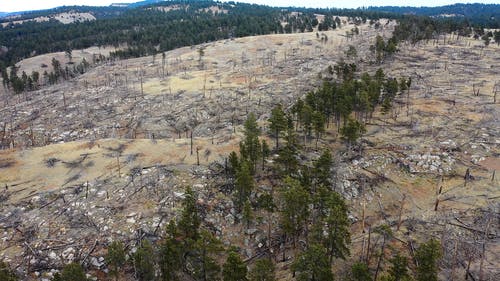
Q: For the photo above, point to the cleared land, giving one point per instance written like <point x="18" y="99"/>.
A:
<point x="103" y="155"/>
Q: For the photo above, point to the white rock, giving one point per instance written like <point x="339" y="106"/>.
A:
<point x="53" y="256"/>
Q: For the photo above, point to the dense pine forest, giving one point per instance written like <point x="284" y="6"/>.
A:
<point x="477" y="14"/>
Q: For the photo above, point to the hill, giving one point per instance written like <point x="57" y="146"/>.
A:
<point x="107" y="155"/>
<point x="147" y="27"/>
<point x="487" y="15"/>
<point x="194" y="140"/>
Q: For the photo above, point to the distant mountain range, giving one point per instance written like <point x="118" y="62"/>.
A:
<point x="3" y="14"/>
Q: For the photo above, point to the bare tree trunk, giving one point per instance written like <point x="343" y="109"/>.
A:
<point x="191" y="142"/>
<point x="400" y="212"/>
<point x="379" y="263"/>
<point x="197" y="155"/>
<point x="118" y="162"/>
<point x="368" y="246"/>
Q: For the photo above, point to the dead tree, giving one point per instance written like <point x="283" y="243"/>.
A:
<point x="475" y="91"/>
<point x="467" y="177"/>
<point x="438" y="194"/>
<point x="401" y="208"/>
<point x="495" y="91"/>
<point x="191" y="142"/>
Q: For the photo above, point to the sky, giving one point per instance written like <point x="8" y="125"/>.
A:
<point x="24" y="5"/>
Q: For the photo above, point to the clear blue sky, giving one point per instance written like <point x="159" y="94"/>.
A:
<point x="23" y="5"/>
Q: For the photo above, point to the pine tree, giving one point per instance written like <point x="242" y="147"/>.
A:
<point x="313" y="265"/>
<point x="287" y="158"/>
<point x="263" y="270"/>
<point x="115" y="258"/>
<point x="294" y="208"/>
<point x="322" y="169"/>
<point x="360" y="272"/>
<point x="297" y="110"/>
<point x="247" y="214"/>
<point x="266" y="202"/>
<point x="143" y="262"/>
<point x="318" y="124"/>
<point x="277" y="122"/>
<point x="496" y="37"/>
<point x="428" y="255"/>
<point x="234" y="269"/>
<point x="306" y="116"/>
<point x="352" y="131"/>
<point x="398" y="270"/>
<point x="204" y="261"/>
<point x="337" y="227"/>
<point x="250" y="149"/>
<point x="71" y="272"/>
<point x="233" y="163"/>
<point x="171" y="254"/>
<point x="244" y="184"/>
<point x="190" y="220"/>
<point x="6" y="274"/>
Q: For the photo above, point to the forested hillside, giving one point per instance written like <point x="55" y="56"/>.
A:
<point x="147" y="29"/>
<point x="487" y="15"/>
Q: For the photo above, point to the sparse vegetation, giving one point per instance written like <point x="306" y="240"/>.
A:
<point x="379" y="145"/>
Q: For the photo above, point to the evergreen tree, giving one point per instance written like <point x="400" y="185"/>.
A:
<point x="233" y="163"/>
<point x="277" y="122"/>
<point x="247" y="214"/>
<point x="398" y="270"/>
<point x="234" y="269"/>
<point x="6" y="274"/>
<point x="318" y="124"/>
<point x="171" y="254"/>
<point x="321" y="169"/>
<point x="352" y="131"/>
<point x="71" y="272"/>
<point x="313" y="265"/>
<point x="143" y="261"/>
<point x="297" y="110"/>
<point x="496" y="37"/>
<point x="428" y="255"/>
<point x="263" y="270"/>
<point x="294" y="208"/>
<point x="244" y="184"/>
<point x="115" y="258"/>
<point x="306" y="116"/>
<point x="337" y="227"/>
<point x="379" y="48"/>
<point x="287" y="158"/>
<point x="360" y="272"/>
<point x="205" y="265"/>
<point x="190" y="220"/>
<point x="250" y="146"/>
